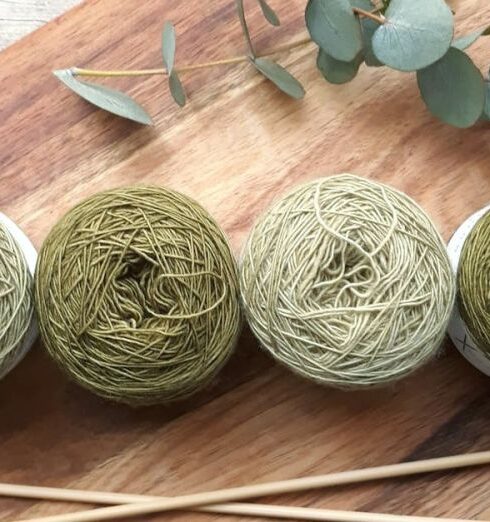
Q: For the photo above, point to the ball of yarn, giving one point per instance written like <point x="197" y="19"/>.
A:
<point x="474" y="283"/>
<point x="137" y="295"/>
<point x="16" y="301"/>
<point x="347" y="282"/>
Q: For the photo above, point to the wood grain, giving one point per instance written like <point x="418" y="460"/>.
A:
<point x="236" y="146"/>
<point x="20" y="17"/>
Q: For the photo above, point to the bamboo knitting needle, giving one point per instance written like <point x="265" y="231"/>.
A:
<point x="299" y="513"/>
<point x="259" y="490"/>
<point x="252" y="510"/>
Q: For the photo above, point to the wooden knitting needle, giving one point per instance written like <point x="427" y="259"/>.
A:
<point x="252" y="510"/>
<point x="299" y="513"/>
<point x="254" y="491"/>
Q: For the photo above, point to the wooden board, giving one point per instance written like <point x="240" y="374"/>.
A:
<point x="236" y="146"/>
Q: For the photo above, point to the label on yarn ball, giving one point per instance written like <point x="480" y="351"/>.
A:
<point x="30" y="256"/>
<point x="457" y="329"/>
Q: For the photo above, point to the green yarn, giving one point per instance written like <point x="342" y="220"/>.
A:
<point x="347" y="282"/>
<point x="137" y="295"/>
<point x="474" y="283"/>
<point x="16" y="302"/>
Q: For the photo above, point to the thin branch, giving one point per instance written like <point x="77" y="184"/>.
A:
<point x="377" y="18"/>
<point x="216" y="63"/>
<point x="77" y="71"/>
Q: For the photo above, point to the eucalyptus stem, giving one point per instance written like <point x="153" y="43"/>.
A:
<point x="77" y="71"/>
<point x="422" y="53"/>
<point x="368" y="14"/>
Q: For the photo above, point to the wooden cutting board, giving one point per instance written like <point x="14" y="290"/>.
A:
<point x="237" y="145"/>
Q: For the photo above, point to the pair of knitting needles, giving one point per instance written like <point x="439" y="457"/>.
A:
<point x="125" y="505"/>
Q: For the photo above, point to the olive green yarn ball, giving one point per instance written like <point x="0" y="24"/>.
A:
<point x="474" y="283"/>
<point x="16" y="302"/>
<point x="347" y="282"/>
<point x="137" y="295"/>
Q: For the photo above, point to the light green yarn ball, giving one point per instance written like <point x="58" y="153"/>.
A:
<point x="16" y="302"/>
<point x="347" y="282"/>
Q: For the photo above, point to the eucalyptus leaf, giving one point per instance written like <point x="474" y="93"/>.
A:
<point x="362" y="4"/>
<point x="176" y="89"/>
<point x="335" y="71"/>
<point x="279" y="76"/>
<point x="368" y="28"/>
<point x="463" y="42"/>
<point x="168" y="46"/>
<point x="453" y="89"/>
<point x="416" y="34"/>
<point x="486" y="110"/>
<point x="110" y="100"/>
<point x="334" y="28"/>
<point x="243" y="22"/>
<point x="269" y="13"/>
<point x="240" y="10"/>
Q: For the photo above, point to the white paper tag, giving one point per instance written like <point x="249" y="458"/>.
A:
<point x="457" y="329"/>
<point x="30" y="255"/>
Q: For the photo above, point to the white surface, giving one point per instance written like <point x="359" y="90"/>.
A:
<point x="20" y="17"/>
<point x="30" y="255"/>
<point x="457" y="330"/>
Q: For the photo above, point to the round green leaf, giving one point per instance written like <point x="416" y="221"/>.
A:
<point x="105" y="98"/>
<point x="334" y="28"/>
<point x="368" y="28"/>
<point x="453" y="89"/>
<point x="335" y="71"/>
<point x="362" y="4"/>
<point x="416" y="34"/>
<point x="280" y="77"/>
